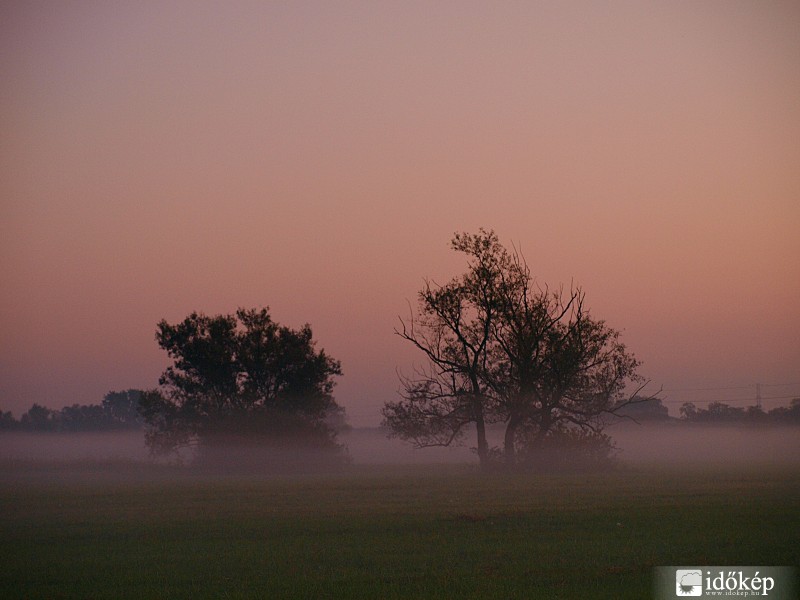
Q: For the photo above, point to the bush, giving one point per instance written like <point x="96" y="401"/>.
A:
<point x="565" y="449"/>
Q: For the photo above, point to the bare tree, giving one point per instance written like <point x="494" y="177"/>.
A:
<point x="556" y="366"/>
<point x="453" y="329"/>
<point x="501" y="348"/>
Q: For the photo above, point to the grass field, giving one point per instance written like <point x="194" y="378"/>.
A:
<point x="116" y="531"/>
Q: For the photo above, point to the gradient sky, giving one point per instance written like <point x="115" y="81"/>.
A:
<point x="316" y="157"/>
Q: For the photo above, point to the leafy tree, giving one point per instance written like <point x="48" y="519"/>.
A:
<point x="39" y="418"/>
<point x="787" y="415"/>
<point x="119" y="410"/>
<point x="122" y="408"/>
<point x="690" y="412"/>
<point x="718" y="412"/>
<point x="7" y="421"/>
<point x="755" y="414"/>
<point x="240" y="376"/>
<point x="501" y="348"/>
<point x="86" y="417"/>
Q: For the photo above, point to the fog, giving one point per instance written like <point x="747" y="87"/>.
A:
<point x="636" y="445"/>
<point x="668" y="444"/>
<point x="72" y="447"/>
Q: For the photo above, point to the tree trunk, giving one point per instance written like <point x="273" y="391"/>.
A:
<point x="483" y="446"/>
<point x="509" y="452"/>
<point x="545" y="423"/>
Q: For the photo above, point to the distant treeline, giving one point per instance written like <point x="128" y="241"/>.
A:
<point x="118" y="411"/>
<point x="653" y="409"/>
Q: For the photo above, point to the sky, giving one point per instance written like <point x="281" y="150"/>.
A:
<point x="158" y="158"/>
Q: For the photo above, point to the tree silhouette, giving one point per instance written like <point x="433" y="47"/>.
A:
<point x="122" y="408"/>
<point x="240" y="376"/>
<point x="39" y="418"/>
<point x="499" y="348"/>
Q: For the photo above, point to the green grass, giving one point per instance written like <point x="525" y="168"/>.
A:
<point x="400" y="532"/>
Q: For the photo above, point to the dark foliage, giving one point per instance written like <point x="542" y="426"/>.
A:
<point x="720" y="412"/>
<point x="239" y="379"/>
<point x="118" y="411"/>
<point x="565" y="448"/>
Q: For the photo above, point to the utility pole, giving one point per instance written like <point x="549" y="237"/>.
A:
<point x="758" y="396"/>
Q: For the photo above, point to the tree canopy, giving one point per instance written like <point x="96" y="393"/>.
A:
<point x="501" y="349"/>
<point x="118" y="411"/>
<point x="240" y="376"/>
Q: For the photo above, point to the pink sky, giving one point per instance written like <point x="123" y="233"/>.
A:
<point x="159" y="158"/>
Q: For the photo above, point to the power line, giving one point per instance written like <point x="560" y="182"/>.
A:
<point x="779" y="384"/>
<point x="725" y="400"/>
<point x="731" y="400"/>
<point x="711" y="389"/>
<point x="731" y="387"/>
